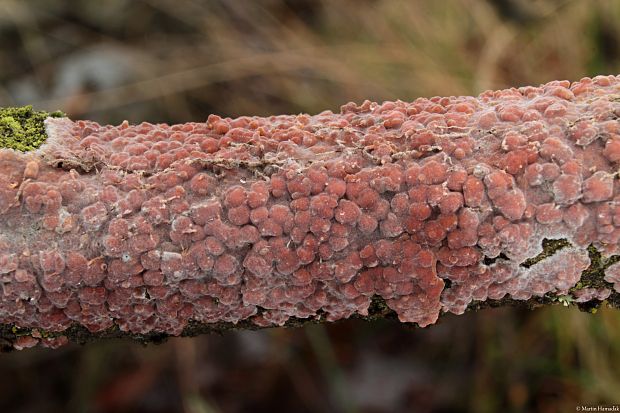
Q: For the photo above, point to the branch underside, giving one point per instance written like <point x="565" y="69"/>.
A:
<point x="592" y="277"/>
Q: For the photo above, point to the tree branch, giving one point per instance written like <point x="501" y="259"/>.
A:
<point x="394" y="210"/>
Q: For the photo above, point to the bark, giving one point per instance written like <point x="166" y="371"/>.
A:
<point x="394" y="210"/>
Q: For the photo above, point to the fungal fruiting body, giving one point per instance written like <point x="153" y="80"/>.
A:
<point x="429" y="205"/>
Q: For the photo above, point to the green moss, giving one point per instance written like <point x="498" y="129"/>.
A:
<point x="550" y="247"/>
<point x="22" y="128"/>
<point x="592" y="277"/>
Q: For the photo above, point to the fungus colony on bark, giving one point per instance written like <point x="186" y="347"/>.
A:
<point x="147" y="227"/>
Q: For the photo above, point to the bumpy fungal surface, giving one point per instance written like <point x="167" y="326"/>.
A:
<point x="431" y="205"/>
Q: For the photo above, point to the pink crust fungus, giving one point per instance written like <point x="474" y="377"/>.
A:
<point x="427" y="205"/>
<point x="612" y="275"/>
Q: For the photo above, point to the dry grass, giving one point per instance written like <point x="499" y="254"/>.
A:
<point x="183" y="58"/>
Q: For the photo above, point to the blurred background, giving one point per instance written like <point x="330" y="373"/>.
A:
<point x="179" y="60"/>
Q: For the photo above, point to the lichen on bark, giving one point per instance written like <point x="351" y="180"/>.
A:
<point x="22" y="128"/>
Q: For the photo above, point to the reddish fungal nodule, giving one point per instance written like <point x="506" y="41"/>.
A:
<point x="567" y="189"/>
<point x="612" y="275"/>
<point x="196" y="222"/>
<point x="451" y="203"/>
<point x="31" y="170"/>
<point x="236" y="196"/>
<point x="432" y="172"/>
<point x="347" y="212"/>
<point x="598" y="187"/>
<point x="367" y="224"/>
<point x="548" y="214"/>
<point x="8" y="263"/>
<point x="94" y="216"/>
<point x="511" y="204"/>
<point x="336" y="187"/>
<point x="456" y="179"/>
<point x="202" y="183"/>
<point x="281" y="214"/>
<point x="612" y="149"/>
<point x="473" y="191"/>
<point x="239" y="215"/>
<point x="258" y="195"/>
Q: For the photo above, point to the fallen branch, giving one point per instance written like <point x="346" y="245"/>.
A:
<point x="397" y="209"/>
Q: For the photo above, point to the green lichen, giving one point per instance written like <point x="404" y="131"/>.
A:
<point x="22" y="128"/>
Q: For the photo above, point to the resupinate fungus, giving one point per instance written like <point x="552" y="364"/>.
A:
<point x="428" y="207"/>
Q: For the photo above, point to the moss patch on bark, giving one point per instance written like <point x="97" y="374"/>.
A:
<point x="23" y="128"/>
